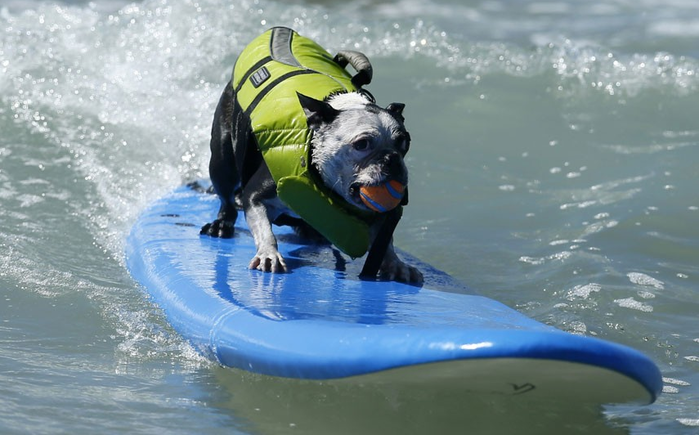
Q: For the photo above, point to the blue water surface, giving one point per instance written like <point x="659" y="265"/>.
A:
<point x="553" y="168"/>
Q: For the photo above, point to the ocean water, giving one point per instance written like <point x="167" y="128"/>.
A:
<point x="554" y="167"/>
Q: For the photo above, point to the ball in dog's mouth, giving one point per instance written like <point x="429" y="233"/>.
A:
<point x="382" y="197"/>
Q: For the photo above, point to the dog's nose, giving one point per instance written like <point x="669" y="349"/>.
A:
<point x="393" y="164"/>
<point x="393" y="161"/>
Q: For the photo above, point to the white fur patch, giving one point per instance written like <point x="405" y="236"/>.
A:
<point x="348" y="101"/>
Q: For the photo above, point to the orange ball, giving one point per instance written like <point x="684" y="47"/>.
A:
<point x="383" y="197"/>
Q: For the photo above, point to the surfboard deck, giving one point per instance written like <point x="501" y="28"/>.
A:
<point x="319" y="321"/>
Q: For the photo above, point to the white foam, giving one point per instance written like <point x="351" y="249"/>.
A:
<point x="583" y="291"/>
<point x="693" y="422"/>
<point x="646" y="294"/>
<point x="531" y="260"/>
<point x="645" y="280"/>
<point x="676" y="382"/>
<point x="634" y="305"/>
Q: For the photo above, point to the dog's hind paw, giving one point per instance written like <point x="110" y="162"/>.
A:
<point x="401" y="272"/>
<point x="219" y="228"/>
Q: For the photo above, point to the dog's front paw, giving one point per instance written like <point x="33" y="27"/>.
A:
<point x="401" y="272"/>
<point x="268" y="260"/>
<point x="221" y="228"/>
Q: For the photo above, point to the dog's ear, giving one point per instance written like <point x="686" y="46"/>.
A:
<point x="397" y="110"/>
<point x="317" y="112"/>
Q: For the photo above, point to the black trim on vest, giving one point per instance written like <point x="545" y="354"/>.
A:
<point x="271" y="86"/>
<point x="280" y="46"/>
<point x="252" y="69"/>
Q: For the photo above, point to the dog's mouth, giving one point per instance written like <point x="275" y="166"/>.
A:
<point x="355" y="195"/>
<point x="380" y="198"/>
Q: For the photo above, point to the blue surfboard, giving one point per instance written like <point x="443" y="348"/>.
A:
<point x="321" y="322"/>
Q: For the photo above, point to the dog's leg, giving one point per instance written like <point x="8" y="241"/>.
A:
<point x="260" y="203"/>
<point x="394" y="269"/>
<point x="222" y="168"/>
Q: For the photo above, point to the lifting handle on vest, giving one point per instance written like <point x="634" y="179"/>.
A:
<point x="359" y="62"/>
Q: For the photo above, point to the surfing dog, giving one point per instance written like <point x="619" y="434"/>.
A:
<point x="353" y="143"/>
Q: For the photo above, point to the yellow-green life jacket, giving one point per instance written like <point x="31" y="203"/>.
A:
<point x="266" y="78"/>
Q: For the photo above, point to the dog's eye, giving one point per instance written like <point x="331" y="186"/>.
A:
<point x="403" y="145"/>
<point x="361" y="145"/>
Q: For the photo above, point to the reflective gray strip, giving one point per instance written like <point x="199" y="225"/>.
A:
<point x="280" y="46"/>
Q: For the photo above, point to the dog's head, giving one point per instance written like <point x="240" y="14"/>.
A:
<point x="356" y="143"/>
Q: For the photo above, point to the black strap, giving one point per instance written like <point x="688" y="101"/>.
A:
<point x="260" y="63"/>
<point x="380" y="245"/>
<point x="272" y="84"/>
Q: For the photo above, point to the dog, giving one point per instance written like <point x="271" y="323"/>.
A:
<point x="350" y="143"/>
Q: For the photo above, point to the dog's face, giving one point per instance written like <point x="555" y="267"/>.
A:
<point x="356" y="143"/>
